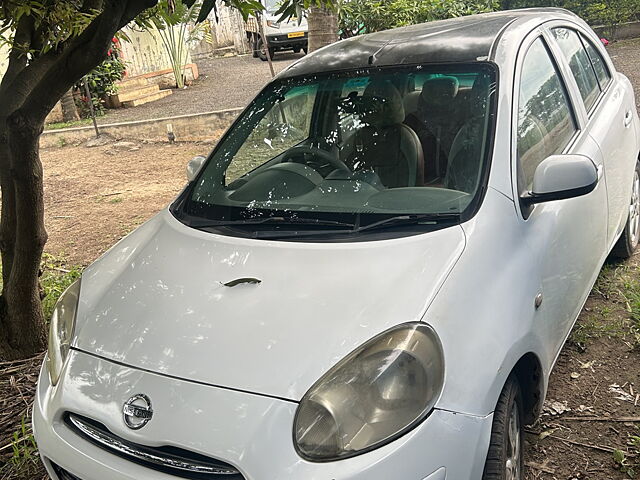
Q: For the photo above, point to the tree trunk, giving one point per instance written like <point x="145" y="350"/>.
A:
<point x="24" y="325"/>
<point x="69" y="109"/>
<point x="8" y="214"/>
<point x="323" y="27"/>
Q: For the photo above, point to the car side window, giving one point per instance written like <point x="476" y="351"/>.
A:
<point x="579" y="63"/>
<point x="545" y="118"/>
<point x="599" y="65"/>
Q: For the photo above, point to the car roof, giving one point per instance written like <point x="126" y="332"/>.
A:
<point x="457" y="40"/>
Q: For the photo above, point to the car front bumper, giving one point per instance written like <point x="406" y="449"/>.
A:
<point x="251" y="432"/>
<point x="282" y="41"/>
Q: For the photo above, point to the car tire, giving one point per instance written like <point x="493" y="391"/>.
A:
<point x="297" y="49"/>
<point x="262" y="53"/>
<point x="628" y="241"/>
<point x="505" y="457"/>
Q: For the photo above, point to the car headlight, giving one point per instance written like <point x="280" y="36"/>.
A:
<point x="61" y="330"/>
<point x="273" y="24"/>
<point x="375" y="394"/>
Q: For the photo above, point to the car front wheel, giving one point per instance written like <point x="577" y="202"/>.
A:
<point x="505" y="458"/>
<point x="262" y="51"/>
<point x="628" y="241"/>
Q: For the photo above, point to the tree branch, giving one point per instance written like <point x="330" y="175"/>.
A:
<point x="56" y="72"/>
<point x="134" y="8"/>
<point x="18" y="55"/>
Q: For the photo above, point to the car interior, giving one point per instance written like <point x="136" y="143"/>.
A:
<point x="393" y="142"/>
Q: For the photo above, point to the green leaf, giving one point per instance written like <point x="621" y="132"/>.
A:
<point x="618" y="456"/>
<point x="207" y="7"/>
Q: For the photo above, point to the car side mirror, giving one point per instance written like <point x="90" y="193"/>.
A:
<point x="194" y="166"/>
<point x="562" y="176"/>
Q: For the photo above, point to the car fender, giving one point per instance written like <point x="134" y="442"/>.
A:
<point x="485" y="313"/>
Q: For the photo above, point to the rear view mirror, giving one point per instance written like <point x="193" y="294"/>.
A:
<point x="194" y="166"/>
<point x="562" y="176"/>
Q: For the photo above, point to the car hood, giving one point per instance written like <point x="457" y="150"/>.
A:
<point x="156" y="301"/>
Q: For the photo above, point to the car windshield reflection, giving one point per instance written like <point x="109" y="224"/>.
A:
<point x="353" y="147"/>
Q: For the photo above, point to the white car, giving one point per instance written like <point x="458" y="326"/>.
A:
<point x="291" y="34"/>
<point x="369" y="278"/>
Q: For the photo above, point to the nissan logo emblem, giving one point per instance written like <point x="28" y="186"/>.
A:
<point x="137" y="411"/>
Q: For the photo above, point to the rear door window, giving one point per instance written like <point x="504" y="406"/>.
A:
<point x="599" y="65"/>
<point x="579" y="63"/>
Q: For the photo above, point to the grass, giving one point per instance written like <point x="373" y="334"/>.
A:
<point x="616" y="313"/>
<point x="55" y="279"/>
<point x="59" y="125"/>
<point x="24" y="462"/>
<point x="626" y="461"/>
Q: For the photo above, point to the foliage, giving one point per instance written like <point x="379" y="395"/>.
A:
<point x="358" y="16"/>
<point x="56" y="21"/>
<point x="602" y="12"/>
<point x="102" y="81"/>
<point x="55" y="279"/>
<point x="24" y="461"/>
<point x="171" y="22"/>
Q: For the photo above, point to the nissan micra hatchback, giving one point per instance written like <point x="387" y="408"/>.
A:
<point x="369" y="278"/>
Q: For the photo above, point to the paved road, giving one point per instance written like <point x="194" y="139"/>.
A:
<point x="226" y="82"/>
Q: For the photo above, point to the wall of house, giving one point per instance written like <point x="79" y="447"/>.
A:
<point x="145" y="53"/>
<point x="225" y="32"/>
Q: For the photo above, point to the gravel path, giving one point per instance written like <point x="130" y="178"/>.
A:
<point x="227" y="82"/>
<point x="626" y="59"/>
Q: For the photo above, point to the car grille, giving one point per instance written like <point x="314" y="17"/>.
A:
<point x="62" y="474"/>
<point x="170" y="460"/>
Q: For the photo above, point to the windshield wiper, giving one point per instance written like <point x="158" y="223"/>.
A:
<point x="400" y="220"/>
<point x="411" y="219"/>
<point x="345" y="228"/>
<point x="265" y="220"/>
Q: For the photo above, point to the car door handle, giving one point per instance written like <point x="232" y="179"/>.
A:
<point x="628" y="117"/>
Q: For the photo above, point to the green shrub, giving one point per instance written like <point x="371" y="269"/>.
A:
<point x="603" y="12"/>
<point x="359" y="16"/>
<point x="102" y="82"/>
<point x="362" y="16"/>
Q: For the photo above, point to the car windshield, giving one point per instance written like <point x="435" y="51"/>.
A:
<point x="272" y="5"/>
<point x="355" y="147"/>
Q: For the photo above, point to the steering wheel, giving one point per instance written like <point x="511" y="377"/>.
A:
<point x="317" y="152"/>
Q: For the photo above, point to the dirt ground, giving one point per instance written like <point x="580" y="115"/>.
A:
<point x="96" y="195"/>
<point x="593" y="405"/>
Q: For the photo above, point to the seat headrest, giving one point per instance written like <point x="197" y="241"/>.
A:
<point x="410" y="101"/>
<point x="480" y="91"/>
<point x="439" y="91"/>
<point x="383" y="104"/>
